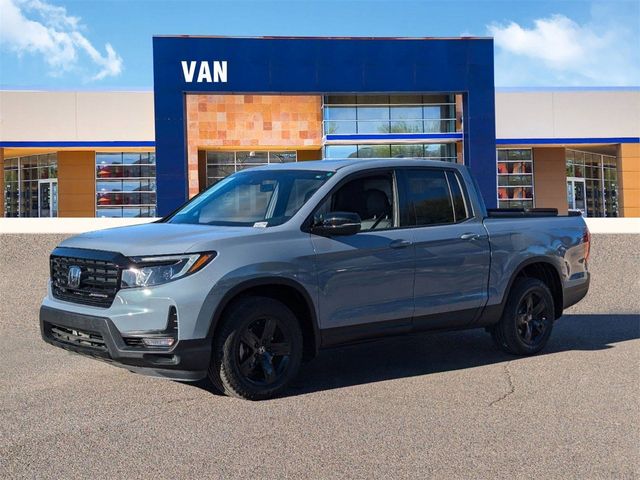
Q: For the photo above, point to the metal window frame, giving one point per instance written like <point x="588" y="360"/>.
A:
<point x="601" y="157"/>
<point x="20" y="160"/>
<point x="533" y="187"/>
<point x="121" y="206"/>
<point x="452" y="159"/>
<point x="235" y="159"/>
<point x="50" y="181"/>
<point x="324" y="105"/>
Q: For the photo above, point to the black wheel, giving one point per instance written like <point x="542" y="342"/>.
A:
<point x="527" y="320"/>
<point x="257" y="350"/>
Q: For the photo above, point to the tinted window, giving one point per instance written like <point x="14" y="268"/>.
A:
<point x="371" y="197"/>
<point x="427" y="200"/>
<point x="459" y="207"/>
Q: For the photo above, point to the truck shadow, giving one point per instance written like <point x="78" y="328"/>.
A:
<point x="423" y="354"/>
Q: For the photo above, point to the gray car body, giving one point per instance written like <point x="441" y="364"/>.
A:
<point x="355" y="286"/>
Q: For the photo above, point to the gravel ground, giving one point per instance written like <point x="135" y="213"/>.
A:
<point x="442" y="406"/>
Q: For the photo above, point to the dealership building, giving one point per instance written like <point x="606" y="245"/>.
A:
<point x="220" y="105"/>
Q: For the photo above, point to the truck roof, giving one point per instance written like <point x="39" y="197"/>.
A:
<point x="336" y="164"/>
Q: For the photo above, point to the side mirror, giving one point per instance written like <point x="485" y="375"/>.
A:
<point x="336" y="223"/>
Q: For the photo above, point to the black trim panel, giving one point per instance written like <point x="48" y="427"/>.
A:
<point x="187" y="360"/>
<point x="86" y="253"/>
<point x="491" y="314"/>
<point x="364" y="331"/>
<point x="573" y="295"/>
<point x="453" y="320"/>
<point x="456" y="320"/>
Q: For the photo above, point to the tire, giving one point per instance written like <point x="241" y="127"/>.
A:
<point x="257" y="350"/>
<point x="524" y="327"/>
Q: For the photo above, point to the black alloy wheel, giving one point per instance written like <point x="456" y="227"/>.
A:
<point x="527" y="319"/>
<point x="264" y="351"/>
<point x="257" y="349"/>
<point x="532" y="318"/>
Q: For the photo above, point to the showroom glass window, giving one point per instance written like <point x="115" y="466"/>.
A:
<point x="380" y="114"/>
<point x="515" y="178"/>
<point x="24" y="179"/>
<point x="600" y="176"/>
<point x="125" y="184"/>
<point x="222" y="163"/>
<point x="430" y="151"/>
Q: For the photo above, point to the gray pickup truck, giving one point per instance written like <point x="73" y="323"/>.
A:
<point x="271" y="264"/>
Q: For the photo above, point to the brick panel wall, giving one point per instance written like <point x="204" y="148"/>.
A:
<point x="243" y="122"/>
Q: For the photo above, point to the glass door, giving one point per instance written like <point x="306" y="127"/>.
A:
<point x="576" y="194"/>
<point x="48" y="198"/>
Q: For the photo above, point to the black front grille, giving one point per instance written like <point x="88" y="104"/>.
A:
<point x="99" y="280"/>
<point x="135" y="342"/>
<point x="78" y="337"/>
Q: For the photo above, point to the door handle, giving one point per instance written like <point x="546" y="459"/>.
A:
<point x="400" y="244"/>
<point x="470" y="236"/>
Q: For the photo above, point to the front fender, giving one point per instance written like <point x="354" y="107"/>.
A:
<point x="235" y="283"/>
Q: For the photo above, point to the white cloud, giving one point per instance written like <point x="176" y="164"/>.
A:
<point x="558" y="50"/>
<point x="38" y="27"/>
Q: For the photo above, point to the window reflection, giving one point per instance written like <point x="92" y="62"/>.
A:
<point x="221" y="164"/>
<point x="515" y="178"/>
<point x="379" y="114"/>
<point x="601" y="180"/>
<point x="21" y="178"/>
<point x="125" y="184"/>
<point x="432" y="151"/>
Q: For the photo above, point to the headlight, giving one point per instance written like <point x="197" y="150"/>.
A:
<point x="150" y="271"/>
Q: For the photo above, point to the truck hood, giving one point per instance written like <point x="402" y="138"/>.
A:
<point x="157" y="238"/>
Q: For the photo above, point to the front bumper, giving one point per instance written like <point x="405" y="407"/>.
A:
<point x="98" y="337"/>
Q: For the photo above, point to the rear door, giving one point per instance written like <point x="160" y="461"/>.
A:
<point x="451" y="246"/>
<point x="365" y="280"/>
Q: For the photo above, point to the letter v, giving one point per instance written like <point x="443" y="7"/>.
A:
<point x="189" y="71"/>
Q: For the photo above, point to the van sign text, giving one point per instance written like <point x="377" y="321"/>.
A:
<point x="207" y="72"/>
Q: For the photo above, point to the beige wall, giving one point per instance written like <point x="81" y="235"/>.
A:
<point x="550" y="178"/>
<point x="87" y="116"/>
<point x="568" y="114"/>
<point x="76" y="184"/>
<point x="629" y="179"/>
<point x="76" y="116"/>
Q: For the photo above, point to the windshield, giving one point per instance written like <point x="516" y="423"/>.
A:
<point x="259" y="198"/>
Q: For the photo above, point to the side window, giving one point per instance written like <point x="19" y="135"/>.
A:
<point x="371" y="197"/>
<point x="427" y="200"/>
<point x="459" y="201"/>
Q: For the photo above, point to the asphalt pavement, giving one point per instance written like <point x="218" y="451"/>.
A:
<point x="445" y="405"/>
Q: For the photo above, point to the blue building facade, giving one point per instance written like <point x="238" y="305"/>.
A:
<point x="378" y="95"/>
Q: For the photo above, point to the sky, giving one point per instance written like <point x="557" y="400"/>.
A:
<point x="106" y="44"/>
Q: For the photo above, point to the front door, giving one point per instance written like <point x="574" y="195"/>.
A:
<point x="366" y="278"/>
<point x="48" y="198"/>
<point x="577" y="194"/>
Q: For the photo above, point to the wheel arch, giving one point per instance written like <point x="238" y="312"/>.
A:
<point x="546" y="271"/>
<point x="287" y="291"/>
<point x="536" y="267"/>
